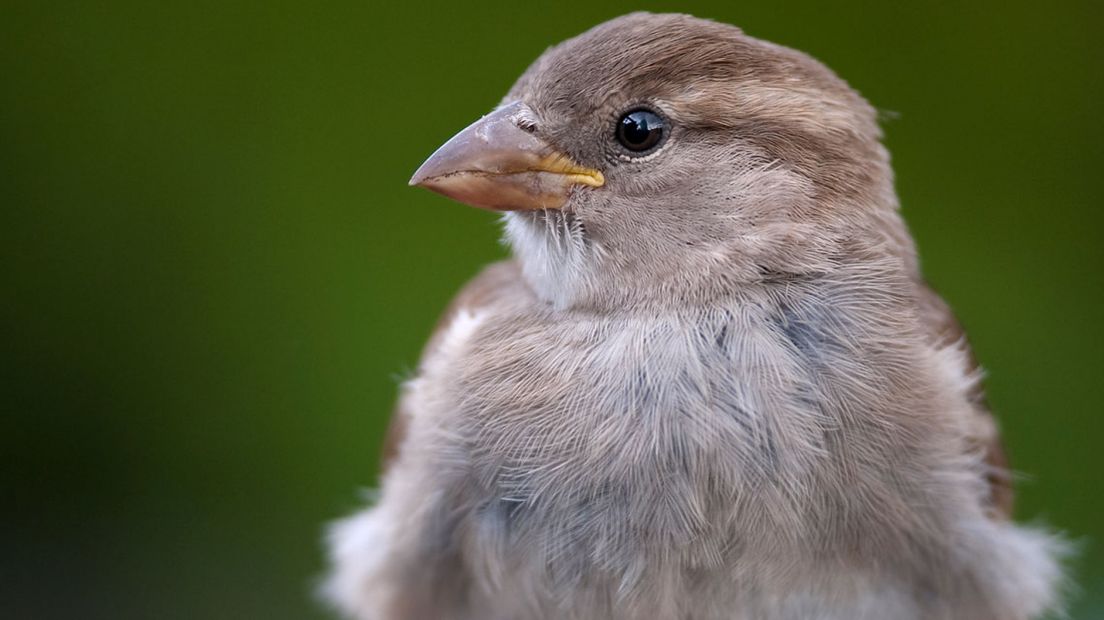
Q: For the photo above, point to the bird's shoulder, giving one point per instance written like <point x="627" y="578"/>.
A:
<point x="498" y="283"/>
<point x="947" y="336"/>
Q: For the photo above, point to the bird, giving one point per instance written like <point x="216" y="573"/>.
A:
<point x="710" y="382"/>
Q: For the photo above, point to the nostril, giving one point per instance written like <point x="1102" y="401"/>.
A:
<point x="522" y="116"/>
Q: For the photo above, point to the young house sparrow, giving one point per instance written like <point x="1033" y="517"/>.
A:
<point x="711" y="383"/>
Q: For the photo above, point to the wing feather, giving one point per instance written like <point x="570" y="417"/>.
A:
<point x="947" y="335"/>
<point x="495" y="283"/>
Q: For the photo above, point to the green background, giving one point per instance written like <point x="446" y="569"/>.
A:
<point x="213" y="273"/>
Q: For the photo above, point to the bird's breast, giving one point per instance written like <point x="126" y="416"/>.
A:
<point x="590" y="435"/>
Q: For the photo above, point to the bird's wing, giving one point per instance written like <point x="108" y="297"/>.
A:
<point x="948" y="337"/>
<point x="495" y="283"/>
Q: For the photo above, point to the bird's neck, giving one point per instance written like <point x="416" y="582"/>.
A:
<point x="567" y="268"/>
<point x="556" y="258"/>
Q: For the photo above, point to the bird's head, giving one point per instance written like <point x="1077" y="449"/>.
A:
<point x="665" y="159"/>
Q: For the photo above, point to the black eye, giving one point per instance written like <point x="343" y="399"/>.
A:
<point x="640" y="130"/>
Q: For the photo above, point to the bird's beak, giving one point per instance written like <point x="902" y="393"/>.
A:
<point x="495" y="164"/>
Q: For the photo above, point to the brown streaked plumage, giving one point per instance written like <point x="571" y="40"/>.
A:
<point x="491" y="284"/>
<point x="946" y="332"/>
<point x="712" y="382"/>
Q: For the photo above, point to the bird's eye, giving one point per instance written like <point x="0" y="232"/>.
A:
<point x="640" y="130"/>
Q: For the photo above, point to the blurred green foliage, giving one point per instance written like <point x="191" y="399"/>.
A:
<point x="213" y="272"/>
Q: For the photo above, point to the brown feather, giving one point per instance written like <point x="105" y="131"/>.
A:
<point x="946" y="331"/>
<point x="494" y="282"/>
